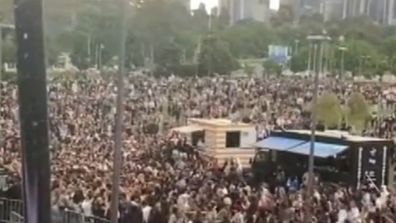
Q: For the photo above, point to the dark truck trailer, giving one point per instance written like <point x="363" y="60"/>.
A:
<point x="339" y="156"/>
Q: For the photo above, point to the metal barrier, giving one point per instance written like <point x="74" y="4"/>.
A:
<point x="16" y="218"/>
<point x="10" y="208"/>
<point x="74" y="217"/>
<point x="11" y="211"/>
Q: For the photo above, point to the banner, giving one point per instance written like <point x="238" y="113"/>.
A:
<point x="372" y="165"/>
<point x="278" y="53"/>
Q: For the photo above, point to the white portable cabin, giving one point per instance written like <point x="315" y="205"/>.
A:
<point x="222" y="138"/>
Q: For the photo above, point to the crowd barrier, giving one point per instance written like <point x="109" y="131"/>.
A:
<point x="11" y="211"/>
<point x="74" y="217"/>
<point x="16" y="218"/>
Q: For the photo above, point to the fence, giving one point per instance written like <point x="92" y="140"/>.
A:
<point x="74" y="217"/>
<point x="10" y="208"/>
<point x="16" y="218"/>
<point x="11" y="211"/>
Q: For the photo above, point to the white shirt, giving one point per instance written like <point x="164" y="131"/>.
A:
<point x="87" y="207"/>
<point x="146" y="213"/>
<point x="353" y="215"/>
<point x="237" y="218"/>
<point x="182" y="202"/>
<point x="342" y="216"/>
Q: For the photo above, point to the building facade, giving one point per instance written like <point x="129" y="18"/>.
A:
<point x="380" y="11"/>
<point x="185" y="3"/>
<point x="330" y="9"/>
<point x="238" y="10"/>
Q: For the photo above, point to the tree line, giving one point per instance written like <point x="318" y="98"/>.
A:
<point x="165" y="35"/>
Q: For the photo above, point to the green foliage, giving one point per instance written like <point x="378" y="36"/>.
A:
<point x="271" y="67"/>
<point x="187" y="70"/>
<point x="358" y="111"/>
<point x="248" y="69"/>
<point x="166" y="33"/>
<point x="9" y="77"/>
<point x="168" y="59"/>
<point x="249" y="39"/>
<point x="329" y="110"/>
<point x="215" y="57"/>
<point x="361" y="57"/>
<point x="299" y="61"/>
<point x="389" y="49"/>
<point x="284" y="15"/>
<point x="6" y="12"/>
<point x="9" y="51"/>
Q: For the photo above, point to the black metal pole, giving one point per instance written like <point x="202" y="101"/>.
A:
<point x="311" y="180"/>
<point x="117" y="163"/>
<point x="342" y="63"/>
<point x="33" y="110"/>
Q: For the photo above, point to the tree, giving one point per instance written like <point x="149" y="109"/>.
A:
<point x="329" y="110"/>
<point x="358" y="111"/>
<point x="284" y="15"/>
<point x="9" y="52"/>
<point x="248" y="69"/>
<point x="299" y="61"/>
<point x="168" y="59"/>
<point x="389" y="50"/>
<point x="271" y="67"/>
<point x="248" y="39"/>
<point x="200" y="19"/>
<point x="223" y="20"/>
<point x="156" y="23"/>
<point x="94" y="33"/>
<point x="6" y="11"/>
<point x="215" y="57"/>
<point x="361" y="56"/>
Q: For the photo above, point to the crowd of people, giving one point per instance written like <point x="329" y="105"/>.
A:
<point x="163" y="178"/>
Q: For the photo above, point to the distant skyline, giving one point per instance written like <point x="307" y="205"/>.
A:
<point x="274" y="4"/>
<point x="209" y="3"/>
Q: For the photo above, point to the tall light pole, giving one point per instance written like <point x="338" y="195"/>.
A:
<point x="317" y="40"/>
<point x="342" y="50"/>
<point x="309" y="59"/>
<point x="296" y="42"/>
<point x="117" y="163"/>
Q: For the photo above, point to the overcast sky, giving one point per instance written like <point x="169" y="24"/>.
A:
<point x="274" y="4"/>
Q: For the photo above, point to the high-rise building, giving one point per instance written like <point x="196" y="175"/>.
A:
<point x="330" y="9"/>
<point x="185" y="3"/>
<point x="380" y="11"/>
<point x="238" y="10"/>
<point x="389" y="17"/>
<point x="257" y="10"/>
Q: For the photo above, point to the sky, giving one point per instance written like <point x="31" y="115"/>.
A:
<point x="274" y="4"/>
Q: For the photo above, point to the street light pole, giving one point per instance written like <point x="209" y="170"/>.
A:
<point x="317" y="40"/>
<point x="360" y="65"/>
<point x="321" y="52"/>
<point x="309" y="59"/>
<point x="342" y="49"/>
<point x="296" y="46"/>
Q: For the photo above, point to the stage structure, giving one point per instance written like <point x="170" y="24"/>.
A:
<point x="221" y="138"/>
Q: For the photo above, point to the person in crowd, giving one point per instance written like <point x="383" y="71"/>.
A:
<point x="163" y="178"/>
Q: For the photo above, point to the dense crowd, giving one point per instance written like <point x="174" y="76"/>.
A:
<point x="164" y="179"/>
